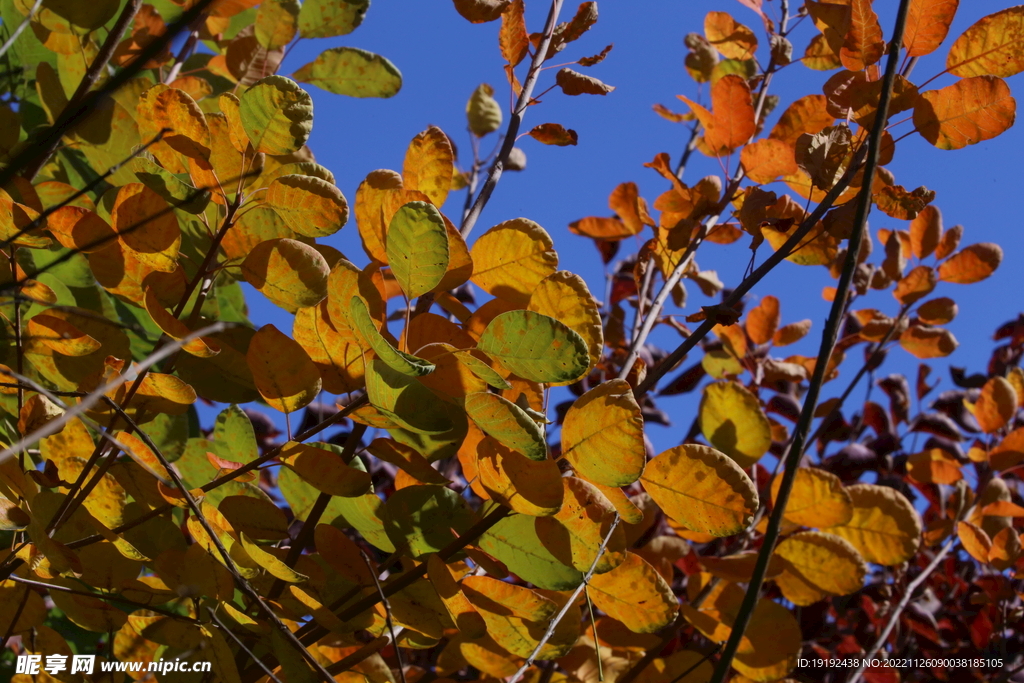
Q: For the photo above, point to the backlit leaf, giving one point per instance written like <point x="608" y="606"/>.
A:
<point x="732" y="420"/>
<point x="535" y="347"/>
<point x="915" y="285"/>
<point x="809" y="114"/>
<point x="971" y="264"/>
<point x="635" y="594"/>
<point x="925" y="341"/>
<point x="864" y="44"/>
<point x="516" y="617"/>
<point x="147" y="226"/>
<point x="429" y="166"/>
<point x="512" y="258"/>
<point x="311" y="206"/>
<point x="277" y="115"/>
<point x="965" y="113"/>
<point x="817" y="499"/>
<point x="926" y="231"/>
<point x="577" y="530"/>
<point x="352" y="72"/>
<point x="480" y="11"/>
<point x="554" y="134"/>
<point x="975" y="541"/>
<point x="991" y="47"/>
<point x="818" y="565"/>
<point x="328" y="18"/>
<point x="284" y="374"/>
<point x="466" y="618"/>
<point x="605" y="420"/>
<point x="885" y="528"/>
<point x="702" y="489"/>
<point x="405" y="458"/>
<point x="934" y="466"/>
<point x="483" y="112"/>
<point x="564" y="296"/>
<point x="730" y="123"/>
<point x="270" y="562"/>
<point x="996" y="405"/>
<point x="515" y="542"/>
<point x="277" y="23"/>
<point x="527" y="486"/>
<point x="507" y="423"/>
<point x="290" y="273"/>
<point x="417" y="247"/>
<point x="189" y="134"/>
<point x="927" y="25"/>
<point x="732" y="39"/>
<point x="768" y="159"/>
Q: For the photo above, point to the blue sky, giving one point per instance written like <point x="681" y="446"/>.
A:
<point x="443" y="58"/>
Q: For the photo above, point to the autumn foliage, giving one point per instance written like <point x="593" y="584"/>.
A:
<point x="463" y="489"/>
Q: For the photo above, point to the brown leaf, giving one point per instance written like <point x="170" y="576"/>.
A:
<point x="513" y="39"/>
<point x="554" y="134"/>
<point x="480" y="11"/>
<point x="574" y="83"/>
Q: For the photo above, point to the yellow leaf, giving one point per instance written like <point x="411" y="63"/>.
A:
<point x="702" y="489"/>
<point x="284" y="374"/>
<point x="466" y="618"/>
<point x="817" y="499"/>
<point x="311" y="206"/>
<point x="968" y="112"/>
<point x="817" y="565"/>
<point x="290" y="273"/>
<point x="732" y="420"/>
<point x="605" y="420"/>
<point x="429" y="165"/>
<point x="996" y="405"/>
<point x="635" y="594"/>
<point x="270" y="562"/>
<point x="143" y="455"/>
<point x="993" y="46"/>
<point x="971" y="264"/>
<point x="175" y="329"/>
<point x="511" y="259"/>
<point x="527" y="486"/>
<point x="1005" y="550"/>
<point x="739" y="568"/>
<point x="61" y="336"/>
<point x="885" y="528"/>
<point x="507" y="423"/>
<point x="577" y="530"/>
<point x="188" y="133"/>
<point x="564" y="296"/>
<point x="516" y="617"/>
<point x="732" y="39"/>
<point x="325" y="470"/>
<point x="975" y="541"/>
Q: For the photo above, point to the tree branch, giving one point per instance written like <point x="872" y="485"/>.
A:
<point x="828" y="340"/>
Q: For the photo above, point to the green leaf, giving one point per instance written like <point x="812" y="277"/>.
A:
<point x="508" y="423"/>
<point x="405" y="363"/>
<point x="277" y="23"/>
<point x="405" y="400"/>
<point x="90" y="15"/>
<point x="277" y="115"/>
<point x="535" y="347"/>
<point x="329" y="18"/>
<point x="176" y="191"/>
<point x="421" y="518"/>
<point x="482" y="370"/>
<point x="417" y="247"/>
<point x="234" y="436"/>
<point x="353" y="72"/>
<point x="514" y="541"/>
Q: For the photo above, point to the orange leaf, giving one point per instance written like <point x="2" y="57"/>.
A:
<point x="972" y="264"/>
<point x="601" y="228"/>
<point x="975" y="541"/>
<point x="937" y="311"/>
<point x="763" y="320"/>
<point x="792" y="333"/>
<point x="429" y="166"/>
<point x="993" y="46"/>
<point x="147" y="226"/>
<point x="513" y="39"/>
<point x="927" y="25"/>
<point x="996" y="405"/>
<point x="915" y="285"/>
<point x="635" y="594"/>
<point x="1005" y="550"/>
<point x="949" y="242"/>
<point x="863" y="45"/>
<point x="631" y="208"/>
<point x="809" y="114"/>
<point x="934" y="466"/>
<point x="965" y="113"/>
<point x="554" y="134"/>
<point x="924" y="341"/>
<point x="731" y="122"/>
<point x="767" y="159"/>
<point x="175" y="329"/>
<point x="189" y="133"/>
<point x="926" y="231"/>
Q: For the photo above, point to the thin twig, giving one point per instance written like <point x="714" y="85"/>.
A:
<point x="828" y="340"/>
<point x="568" y="605"/>
<point x="241" y="645"/>
<point x="691" y="145"/>
<point x="516" y="120"/>
<point x="908" y="594"/>
<point x="19" y="28"/>
<point x="368" y="650"/>
<point x="387" y="614"/>
<point x="103" y="596"/>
